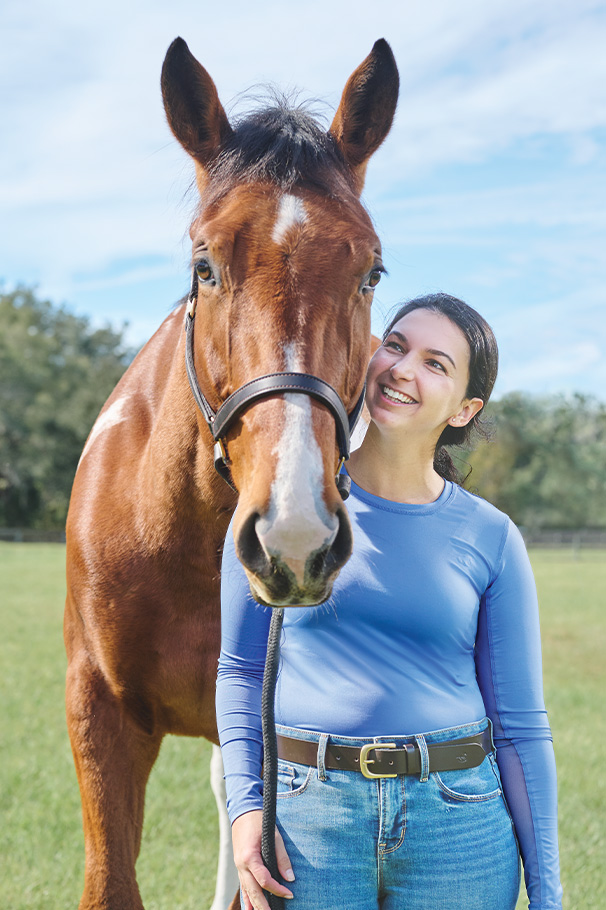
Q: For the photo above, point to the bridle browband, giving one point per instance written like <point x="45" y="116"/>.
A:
<point x="219" y="422"/>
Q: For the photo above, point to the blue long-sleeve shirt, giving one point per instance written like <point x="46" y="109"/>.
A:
<point x="432" y="623"/>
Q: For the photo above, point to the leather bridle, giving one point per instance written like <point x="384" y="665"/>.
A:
<point x="267" y="386"/>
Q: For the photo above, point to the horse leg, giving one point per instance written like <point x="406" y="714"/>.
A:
<point x="227" y="877"/>
<point x="113" y="757"/>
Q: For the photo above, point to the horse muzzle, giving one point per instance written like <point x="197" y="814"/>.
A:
<point x="285" y="571"/>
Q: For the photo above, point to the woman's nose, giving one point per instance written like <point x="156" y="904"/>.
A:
<point x="403" y="368"/>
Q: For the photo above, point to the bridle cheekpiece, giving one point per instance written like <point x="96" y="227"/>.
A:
<point x="271" y="384"/>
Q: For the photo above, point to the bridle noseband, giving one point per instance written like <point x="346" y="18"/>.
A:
<point x="219" y="422"/>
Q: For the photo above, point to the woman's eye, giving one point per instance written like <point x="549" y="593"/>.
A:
<point x="203" y="270"/>
<point x="436" y="363"/>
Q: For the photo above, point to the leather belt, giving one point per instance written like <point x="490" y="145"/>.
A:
<point x="388" y="759"/>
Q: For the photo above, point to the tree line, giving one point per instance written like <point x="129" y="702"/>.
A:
<point x="56" y="371"/>
<point x="544" y="466"/>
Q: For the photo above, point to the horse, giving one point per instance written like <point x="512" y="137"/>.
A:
<point x="284" y="262"/>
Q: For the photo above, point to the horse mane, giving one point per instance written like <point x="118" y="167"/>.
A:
<point x="283" y="144"/>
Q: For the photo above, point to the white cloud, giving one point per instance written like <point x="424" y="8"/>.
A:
<point x="575" y="366"/>
<point x="499" y="74"/>
<point x="555" y="345"/>
<point x="561" y="201"/>
<point x="92" y="182"/>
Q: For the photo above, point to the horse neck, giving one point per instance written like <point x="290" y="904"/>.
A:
<point x="177" y="476"/>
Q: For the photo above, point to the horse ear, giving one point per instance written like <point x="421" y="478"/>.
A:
<point x="194" y="112"/>
<point x="367" y="108"/>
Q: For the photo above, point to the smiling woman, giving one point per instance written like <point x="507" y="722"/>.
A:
<point x="416" y="387"/>
<point x="472" y="371"/>
<point x="390" y="703"/>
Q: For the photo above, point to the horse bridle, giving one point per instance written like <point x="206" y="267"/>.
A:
<point x="219" y="422"/>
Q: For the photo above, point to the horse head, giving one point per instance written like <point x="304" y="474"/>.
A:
<point x="285" y="260"/>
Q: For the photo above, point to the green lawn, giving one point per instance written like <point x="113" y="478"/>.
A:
<point x="40" y="832"/>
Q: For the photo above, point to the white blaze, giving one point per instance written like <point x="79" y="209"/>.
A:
<point x="291" y="211"/>
<point x="115" y="414"/>
<point x="297" y="522"/>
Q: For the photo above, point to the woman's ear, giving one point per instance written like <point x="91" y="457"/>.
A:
<point x="469" y="410"/>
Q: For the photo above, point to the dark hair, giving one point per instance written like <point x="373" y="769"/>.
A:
<point x="483" y="365"/>
<point x="283" y="144"/>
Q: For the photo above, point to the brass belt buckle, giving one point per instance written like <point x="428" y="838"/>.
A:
<point x="365" y="761"/>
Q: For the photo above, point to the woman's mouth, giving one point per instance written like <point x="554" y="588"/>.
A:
<point x="400" y="397"/>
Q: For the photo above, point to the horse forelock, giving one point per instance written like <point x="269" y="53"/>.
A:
<point x="283" y="145"/>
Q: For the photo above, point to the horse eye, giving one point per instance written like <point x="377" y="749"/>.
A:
<point x="203" y="270"/>
<point x="374" y="278"/>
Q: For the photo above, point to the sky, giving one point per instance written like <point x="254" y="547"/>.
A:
<point x="491" y="185"/>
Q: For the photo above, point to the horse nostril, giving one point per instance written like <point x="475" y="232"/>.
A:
<point x="330" y="559"/>
<point x="343" y="543"/>
<point x="249" y="549"/>
<point x="316" y="563"/>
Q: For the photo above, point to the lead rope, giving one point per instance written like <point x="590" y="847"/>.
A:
<point x="270" y="752"/>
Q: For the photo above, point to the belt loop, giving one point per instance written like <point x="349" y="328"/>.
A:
<point x="322" y="756"/>
<point x="490" y="729"/>
<point x="422" y="745"/>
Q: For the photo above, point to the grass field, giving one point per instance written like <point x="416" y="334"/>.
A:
<point x="41" y="849"/>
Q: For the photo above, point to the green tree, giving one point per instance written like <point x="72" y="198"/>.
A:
<point x="55" y="373"/>
<point x="545" y="466"/>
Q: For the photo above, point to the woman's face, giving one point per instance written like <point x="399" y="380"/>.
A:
<point x="417" y="379"/>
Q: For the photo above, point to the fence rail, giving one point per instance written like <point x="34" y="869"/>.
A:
<point x="31" y="535"/>
<point x="550" y="539"/>
<point x="566" y="538"/>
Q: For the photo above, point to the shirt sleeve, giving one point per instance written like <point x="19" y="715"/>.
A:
<point x="509" y="672"/>
<point x="244" y="631"/>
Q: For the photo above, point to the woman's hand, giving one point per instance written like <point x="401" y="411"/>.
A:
<point x="254" y="875"/>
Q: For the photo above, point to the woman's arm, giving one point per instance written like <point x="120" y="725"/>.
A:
<point x="244" y="630"/>
<point x="509" y="671"/>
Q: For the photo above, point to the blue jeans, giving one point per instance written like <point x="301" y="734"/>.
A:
<point x="416" y="842"/>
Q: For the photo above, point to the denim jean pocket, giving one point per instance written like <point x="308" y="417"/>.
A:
<point x="470" y="784"/>
<point x="292" y="779"/>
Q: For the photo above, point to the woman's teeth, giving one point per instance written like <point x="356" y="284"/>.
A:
<point x="397" y="396"/>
